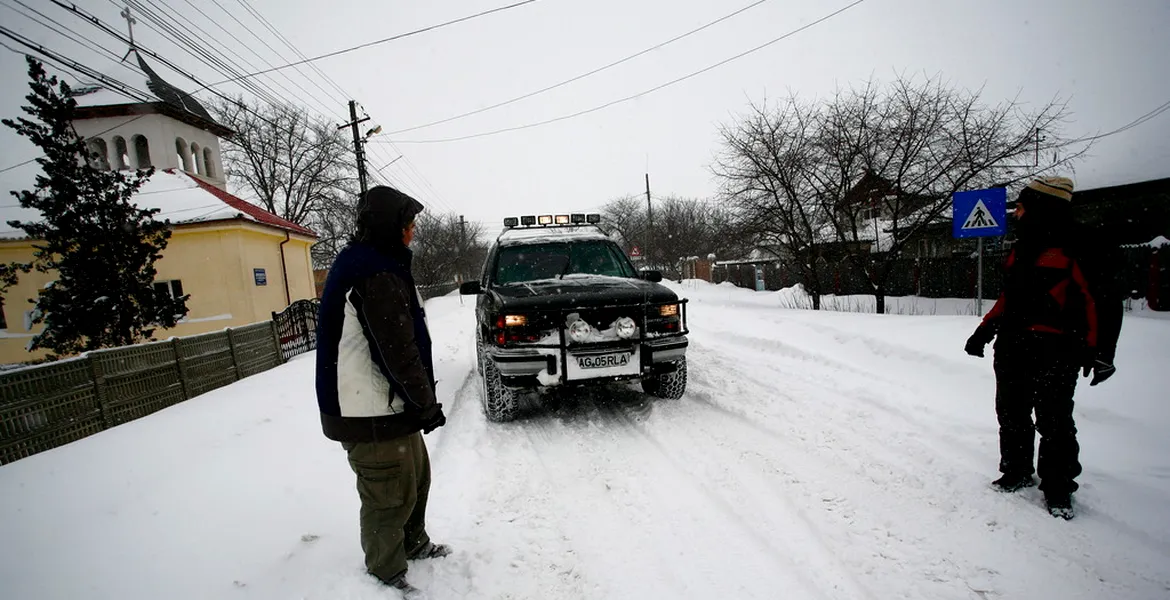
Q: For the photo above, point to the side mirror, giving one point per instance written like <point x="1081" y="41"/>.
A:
<point x="470" y="288"/>
<point x="651" y="276"/>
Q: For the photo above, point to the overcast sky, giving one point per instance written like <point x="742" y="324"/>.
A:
<point x="1108" y="58"/>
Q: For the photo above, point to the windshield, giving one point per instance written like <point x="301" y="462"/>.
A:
<point x="546" y="261"/>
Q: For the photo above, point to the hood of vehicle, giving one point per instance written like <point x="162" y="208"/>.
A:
<point x="582" y="291"/>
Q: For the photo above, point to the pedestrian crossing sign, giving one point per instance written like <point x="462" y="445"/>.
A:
<point x="980" y="213"/>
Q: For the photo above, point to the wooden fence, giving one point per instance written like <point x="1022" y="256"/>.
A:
<point x="50" y="405"/>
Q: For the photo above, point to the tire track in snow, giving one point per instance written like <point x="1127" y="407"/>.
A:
<point x="880" y="478"/>
<point x="787" y="523"/>
<point x="650" y="499"/>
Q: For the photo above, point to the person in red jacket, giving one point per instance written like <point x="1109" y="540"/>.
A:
<point x="1060" y="312"/>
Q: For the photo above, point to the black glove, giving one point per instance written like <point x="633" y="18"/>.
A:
<point x="1100" y="368"/>
<point x="982" y="336"/>
<point x="433" y="418"/>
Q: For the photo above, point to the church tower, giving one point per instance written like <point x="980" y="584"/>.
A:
<point x="173" y="132"/>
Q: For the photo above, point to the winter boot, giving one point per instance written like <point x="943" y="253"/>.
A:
<point x="1012" y="483"/>
<point x="430" y="550"/>
<point x="399" y="583"/>
<point x="1059" y="505"/>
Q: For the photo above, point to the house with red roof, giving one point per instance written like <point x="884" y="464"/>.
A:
<point x="238" y="262"/>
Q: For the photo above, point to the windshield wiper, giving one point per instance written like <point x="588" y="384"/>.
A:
<point x="565" y="271"/>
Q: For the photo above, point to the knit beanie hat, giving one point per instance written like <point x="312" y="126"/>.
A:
<point x="1056" y="187"/>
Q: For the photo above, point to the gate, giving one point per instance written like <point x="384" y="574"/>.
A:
<point x="296" y="327"/>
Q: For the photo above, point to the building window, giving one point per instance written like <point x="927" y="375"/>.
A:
<point x="197" y="159"/>
<point x="121" y="154"/>
<point x="99" y="154"/>
<point x="172" y="288"/>
<point x="141" y="152"/>
<point x="184" y="154"/>
<point x="208" y="167"/>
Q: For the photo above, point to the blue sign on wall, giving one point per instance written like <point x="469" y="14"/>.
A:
<point x="260" y="276"/>
<point x="980" y="213"/>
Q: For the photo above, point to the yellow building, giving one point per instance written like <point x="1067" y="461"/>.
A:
<point x="238" y="262"/>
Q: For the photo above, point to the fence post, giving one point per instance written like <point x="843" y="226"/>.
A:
<point x="276" y="340"/>
<point x="182" y="368"/>
<point x="99" y="389"/>
<point x="235" y="355"/>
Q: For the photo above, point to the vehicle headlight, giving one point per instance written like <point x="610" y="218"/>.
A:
<point x="668" y="310"/>
<point x="580" y="331"/>
<point x="626" y="327"/>
<point x="515" y="320"/>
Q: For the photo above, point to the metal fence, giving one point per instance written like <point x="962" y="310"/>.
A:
<point x="46" y="406"/>
<point x="1143" y="272"/>
<point x="296" y="327"/>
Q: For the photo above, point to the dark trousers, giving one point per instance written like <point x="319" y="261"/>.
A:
<point x="1037" y="372"/>
<point x="393" y="481"/>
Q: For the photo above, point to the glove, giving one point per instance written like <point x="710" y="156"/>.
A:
<point x="433" y="418"/>
<point x="982" y="336"/>
<point x="1100" y="369"/>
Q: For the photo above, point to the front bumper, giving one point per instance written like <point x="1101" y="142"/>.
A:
<point x="553" y="366"/>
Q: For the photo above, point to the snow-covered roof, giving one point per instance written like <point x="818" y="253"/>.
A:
<point x="181" y="198"/>
<point x="539" y="235"/>
<point x="96" y="95"/>
<point x="1158" y="242"/>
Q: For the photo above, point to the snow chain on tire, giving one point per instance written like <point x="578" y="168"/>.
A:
<point x="499" y="403"/>
<point x="670" y="386"/>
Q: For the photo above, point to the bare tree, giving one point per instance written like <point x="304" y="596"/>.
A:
<point x="879" y="164"/>
<point x="296" y="166"/>
<point x="765" y="171"/>
<point x="446" y="249"/>
<point x="683" y="227"/>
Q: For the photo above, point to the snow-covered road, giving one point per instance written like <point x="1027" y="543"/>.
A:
<point x="815" y="455"/>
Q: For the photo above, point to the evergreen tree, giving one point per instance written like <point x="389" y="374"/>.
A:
<point x="101" y="246"/>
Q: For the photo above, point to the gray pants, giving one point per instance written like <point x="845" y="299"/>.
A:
<point x="393" y="480"/>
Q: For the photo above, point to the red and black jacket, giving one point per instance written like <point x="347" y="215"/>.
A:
<point x="1060" y="291"/>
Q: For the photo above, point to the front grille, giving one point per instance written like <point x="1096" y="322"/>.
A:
<point x="603" y="318"/>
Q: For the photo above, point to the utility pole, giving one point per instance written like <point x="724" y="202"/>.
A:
<point x="462" y="261"/>
<point x="650" y="216"/>
<point x="358" y="144"/>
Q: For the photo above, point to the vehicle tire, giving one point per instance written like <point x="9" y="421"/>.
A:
<point x="479" y="353"/>
<point x="500" y="404"/>
<point x="668" y="386"/>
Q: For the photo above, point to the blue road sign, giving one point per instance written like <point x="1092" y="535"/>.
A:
<point x="980" y="213"/>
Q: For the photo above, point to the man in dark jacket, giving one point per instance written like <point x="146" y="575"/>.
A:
<point x="1060" y="312"/>
<point x="376" y="383"/>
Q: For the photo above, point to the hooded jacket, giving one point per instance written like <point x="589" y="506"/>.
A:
<point x="1059" y="279"/>
<point x="375" y="375"/>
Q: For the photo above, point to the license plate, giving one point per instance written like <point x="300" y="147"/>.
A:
<point x="604" y="361"/>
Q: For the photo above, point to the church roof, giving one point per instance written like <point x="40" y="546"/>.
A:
<point x="97" y="101"/>
<point x="182" y="199"/>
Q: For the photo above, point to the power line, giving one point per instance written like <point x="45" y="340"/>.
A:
<point x="1134" y="123"/>
<point x="643" y="93"/>
<point x="583" y="75"/>
<point x="60" y="29"/>
<point x="381" y="41"/>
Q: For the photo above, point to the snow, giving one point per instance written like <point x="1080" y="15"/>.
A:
<point x="540" y="235"/>
<point x="223" y="317"/>
<point x="178" y="197"/>
<point x="821" y="455"/>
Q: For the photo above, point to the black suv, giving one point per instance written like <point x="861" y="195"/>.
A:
<point x="560" y="304"/>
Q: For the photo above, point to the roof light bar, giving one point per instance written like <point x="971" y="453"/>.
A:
<point x="593" y="218"/>
<point x="562" y="219"/>
<point x="578" y="218"/>
<point x="528" y="220"/>
<point x="511" y="222"/>
<point x="545" y="219"/>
